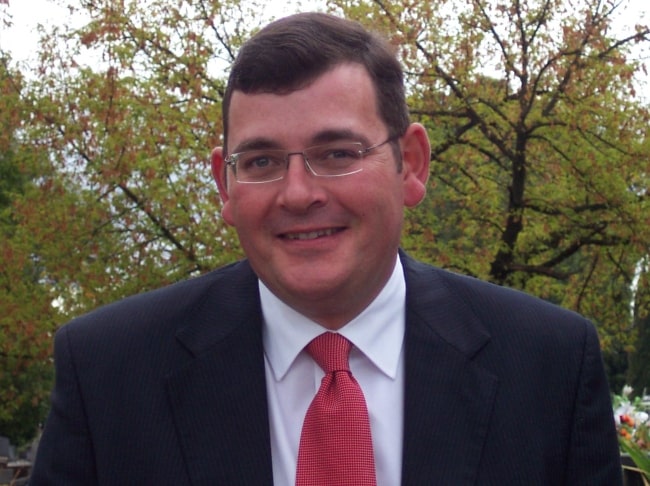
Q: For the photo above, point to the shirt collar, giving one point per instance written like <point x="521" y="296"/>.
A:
<point x="378" y="331"/>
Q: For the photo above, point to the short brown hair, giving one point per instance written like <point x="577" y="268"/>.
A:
<point x="290" y="53"/>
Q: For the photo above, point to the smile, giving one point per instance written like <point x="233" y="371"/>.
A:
<point x="311" y="235"/>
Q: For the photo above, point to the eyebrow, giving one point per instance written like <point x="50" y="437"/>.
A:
<point x="256" y="144"/>
<point x="324" y="136"/>
<point x="336" y="135"/>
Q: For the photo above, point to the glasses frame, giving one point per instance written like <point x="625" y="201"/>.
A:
<point x="231" y="160"/>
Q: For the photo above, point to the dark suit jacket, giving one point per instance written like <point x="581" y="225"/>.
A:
<point x="168" y="388"/>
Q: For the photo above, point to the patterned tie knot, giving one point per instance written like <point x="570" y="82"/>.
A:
<point x="331" y="351"/>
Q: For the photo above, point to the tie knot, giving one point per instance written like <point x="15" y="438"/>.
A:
<point x="330" y="350"/>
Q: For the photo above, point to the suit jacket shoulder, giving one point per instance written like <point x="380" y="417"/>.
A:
<point x="165" y="387"/>
<point x="511" y="384"/>
<point x="169" y="308"/>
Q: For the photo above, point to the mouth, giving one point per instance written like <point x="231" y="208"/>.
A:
<point x="311" y="235"/>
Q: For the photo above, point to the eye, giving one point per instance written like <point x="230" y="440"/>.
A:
<point x="340" y="153"/>
<point x="332" y="158"/>
<point x="259" y="161"/>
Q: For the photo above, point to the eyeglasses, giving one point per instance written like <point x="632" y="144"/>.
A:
<point x="333" y="159"/>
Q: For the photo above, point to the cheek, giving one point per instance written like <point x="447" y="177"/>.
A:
<point x="247" y="209"/>
<point x="226" y="213"/>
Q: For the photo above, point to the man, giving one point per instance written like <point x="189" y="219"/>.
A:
<point x="207" y="382"/>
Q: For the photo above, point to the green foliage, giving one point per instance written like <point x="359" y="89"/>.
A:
<point x="638" y="456"/>
<point x="27" y="404"/>
<point x="131" y="139"/>
<point x="639" y="369"/>
<point x="25" y="316"/>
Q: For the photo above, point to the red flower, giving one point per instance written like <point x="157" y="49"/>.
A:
<point x="626" y="419"/>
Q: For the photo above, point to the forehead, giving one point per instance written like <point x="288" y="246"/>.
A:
<point x="342" y="99"/>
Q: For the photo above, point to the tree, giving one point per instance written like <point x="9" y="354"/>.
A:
<point x="26" y="318"/>
<point x="130" y="133"/>
<point x="541" y="152"/>
<point x="638" y="375"/>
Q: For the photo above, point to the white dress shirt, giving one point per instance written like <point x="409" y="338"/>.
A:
<point x="376" y="361"/>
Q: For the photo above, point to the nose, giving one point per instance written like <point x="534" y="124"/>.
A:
<point x="301" y="189"/>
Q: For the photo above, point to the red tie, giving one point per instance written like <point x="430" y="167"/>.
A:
<point x="335" y="445"/>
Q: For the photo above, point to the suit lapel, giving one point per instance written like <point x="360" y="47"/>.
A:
<point x="218" y="398"/>
<point x="448" y="397"/>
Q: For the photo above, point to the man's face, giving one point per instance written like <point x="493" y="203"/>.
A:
<point x="323" y="245"/>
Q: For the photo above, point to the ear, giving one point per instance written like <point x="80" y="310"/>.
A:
<point x="219" y="173"/>
<point x="416" y="158"/>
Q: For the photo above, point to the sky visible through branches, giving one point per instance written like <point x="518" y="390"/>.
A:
<point x="21" y="38"/>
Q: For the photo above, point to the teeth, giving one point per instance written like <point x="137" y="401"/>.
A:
<point x="311" y="235"/>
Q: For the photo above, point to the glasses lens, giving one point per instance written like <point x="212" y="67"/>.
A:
<point x="335" y="159"/>
<point x="260" y="165"/>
